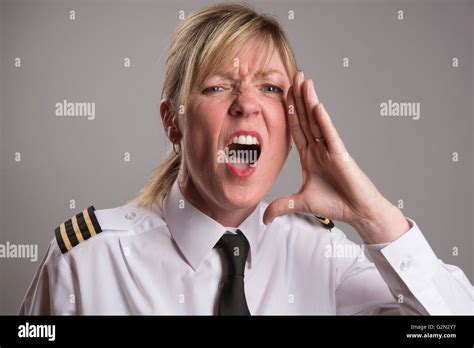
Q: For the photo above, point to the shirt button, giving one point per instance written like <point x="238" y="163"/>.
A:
<point x="221" y="284"/>
<point x="130" y="215"/>
<point x="126" y="250"/>
<point x="405" y="264"/>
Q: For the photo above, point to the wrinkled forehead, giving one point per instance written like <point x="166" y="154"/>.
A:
<point x="253" y="58"/>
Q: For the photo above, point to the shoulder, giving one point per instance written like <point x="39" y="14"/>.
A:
<point x="90" y="224"/>
<point x="308" y="232"/>
<point x="301" y="221"/>
<point x="301" y="229"/>
<point x="311" y="226"/>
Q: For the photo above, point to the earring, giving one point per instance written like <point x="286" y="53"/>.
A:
<point x="174" y="148"/>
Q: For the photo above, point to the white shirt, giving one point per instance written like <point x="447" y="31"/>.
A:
<point x="163" y="262"/>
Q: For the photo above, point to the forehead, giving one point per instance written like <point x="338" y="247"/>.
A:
<point x="255" y="58"/>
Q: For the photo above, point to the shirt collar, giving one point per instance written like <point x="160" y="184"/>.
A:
<point x="196" y="234"/>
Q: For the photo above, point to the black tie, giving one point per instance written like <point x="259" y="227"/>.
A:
<point x="235" y="248"/>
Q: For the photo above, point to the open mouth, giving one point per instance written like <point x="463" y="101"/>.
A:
<point x="243" y="152"/>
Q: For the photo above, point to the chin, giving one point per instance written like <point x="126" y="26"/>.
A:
<point x="240" y="197"/>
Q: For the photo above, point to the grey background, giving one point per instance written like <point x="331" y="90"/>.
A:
<point x="82" y="60"/>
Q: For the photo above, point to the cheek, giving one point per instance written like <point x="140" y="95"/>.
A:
<point x="201" y="130"/>
<point x="278" y="130"/>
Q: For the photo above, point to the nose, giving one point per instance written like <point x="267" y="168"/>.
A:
<point x="245" y="104"/>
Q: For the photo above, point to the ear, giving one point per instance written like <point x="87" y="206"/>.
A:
<point x="170" y="121"/>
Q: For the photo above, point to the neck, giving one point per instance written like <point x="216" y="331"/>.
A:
<point x="226" y="216"/>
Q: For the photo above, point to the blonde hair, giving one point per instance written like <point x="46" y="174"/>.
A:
<point x="202" y="42"/>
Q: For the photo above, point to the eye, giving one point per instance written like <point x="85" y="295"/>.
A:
<point x="212" y="89"/>
<point x="273" y="89"/>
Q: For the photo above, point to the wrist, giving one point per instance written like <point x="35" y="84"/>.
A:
<point x="384" y="225"/>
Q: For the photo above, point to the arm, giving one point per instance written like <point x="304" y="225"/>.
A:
<point x="410" y="263"/>
<point x="335" y="187"/>
<point x="51" y="291"/>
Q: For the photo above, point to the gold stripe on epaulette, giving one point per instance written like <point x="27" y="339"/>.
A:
<point x="77" y="229"/>
<point x="64" y="236"/>
<point x="325" y="221"/>
<point x="88" y="220"/>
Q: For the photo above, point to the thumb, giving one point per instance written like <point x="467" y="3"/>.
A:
<point x="282" y="206"/>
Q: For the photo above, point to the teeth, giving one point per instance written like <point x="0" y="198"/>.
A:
<point x="245" y="140"/>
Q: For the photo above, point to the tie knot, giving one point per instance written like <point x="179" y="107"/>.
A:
<point x="235" y="248"/>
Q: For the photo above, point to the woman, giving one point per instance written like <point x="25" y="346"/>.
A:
<point x="199" y="239"/>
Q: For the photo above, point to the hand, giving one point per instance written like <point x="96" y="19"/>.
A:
<point x="333" y="184"/>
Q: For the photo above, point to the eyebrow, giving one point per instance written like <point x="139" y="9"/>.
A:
<point x="259" y="74"/>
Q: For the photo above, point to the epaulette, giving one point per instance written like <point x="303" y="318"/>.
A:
<point x="77" y="229"/>
<point x="325" y="222"/>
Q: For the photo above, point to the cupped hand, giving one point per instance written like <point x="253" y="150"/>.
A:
<point x="333" y="185"/>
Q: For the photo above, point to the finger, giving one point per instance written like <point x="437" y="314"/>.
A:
<point x="294" y="122"/>
<point x="311" y="100"/>
<point x="329" y="132"/>
<point x="300" y="106"/>
<point x="282" y="206"/>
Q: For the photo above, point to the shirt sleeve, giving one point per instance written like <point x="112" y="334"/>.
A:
<point x="51" y="291"/>
<point x="360" y="288"/>
<point x="410" y="268"/>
